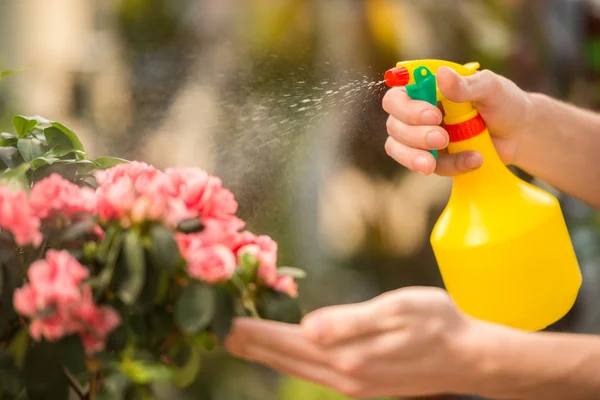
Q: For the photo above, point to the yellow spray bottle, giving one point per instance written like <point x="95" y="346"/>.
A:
<point x="501" y="244"/>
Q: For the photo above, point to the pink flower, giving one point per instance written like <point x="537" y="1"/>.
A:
<point x="115" y="200"/>
<point x="57" y="195"/>
<point x="132" y="171"/>
<point x="134" y="192"/>
<point x="96" y="323"/>
<point x="287" y="285"/>
<point x="189" y="184"/>
<point x="58" y="304"/>
<point x="202" y="194"/>
<point x="17" y="217"/>
<point x="210" y="264"/>
<point x="24" y="301"/>
<point x="56" y="279"/>
<point x="51" y="327"/>
<point x="264" y="249"/>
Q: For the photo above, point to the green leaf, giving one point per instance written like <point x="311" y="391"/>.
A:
<point x="188" y="226"/>
<point x="206" y="340"/>
<point x="30" y="148"/>
<point x="135" y="264"/>
<point x="41" y="161"/>
<point x="163" y="250"/>
<point x="15" y="178"/>
<point x="144" y="372"/>
<point x="23" y="124"/>
<point x="18" y="347"/>
<point x="195" y="307"/>
<point x="160" y="323"/>
<point x="8" y="139"/>
<point x="145" y="301"/>
<point x="278" y="306"/>
<point x="114" y="387"/>
<point x="296" y="273"/>
<point x="162" y="287"/>
<point x="186" y="374"/>
<point x="11" y="380"/>
<point x="224" y="314"/>
<point x="109" y="162"/>
<point x="79" y="230"/>
<point x="58" y="153"/>
<point x="10" y="157"/>
<point x="72" y="354"/>
<point x="62" y="137"/>
<point x="117" y="340"/>
<point x="43" y="373"/>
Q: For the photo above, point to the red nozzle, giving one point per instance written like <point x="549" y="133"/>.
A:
<point x="397" y="76"/>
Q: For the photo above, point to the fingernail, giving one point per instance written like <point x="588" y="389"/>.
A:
<point x="421" y="163"/>
<point x="473" y="161"/>
<point x="430" y="117"/>
<point x="435" y="140"/>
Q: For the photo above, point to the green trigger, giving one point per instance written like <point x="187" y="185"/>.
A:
<point x="424" y="89"/>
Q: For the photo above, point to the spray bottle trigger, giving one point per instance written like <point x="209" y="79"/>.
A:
<point x="425" y="89"/>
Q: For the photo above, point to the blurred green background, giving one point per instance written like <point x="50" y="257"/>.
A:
<point x="278" y="97"/>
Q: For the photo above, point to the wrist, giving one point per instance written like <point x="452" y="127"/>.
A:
<point x="535" y="123"/>
<point x="488" y="357"/>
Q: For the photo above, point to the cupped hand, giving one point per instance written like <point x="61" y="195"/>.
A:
<point x="413" y="125"/>
<point x="408" y="342"/>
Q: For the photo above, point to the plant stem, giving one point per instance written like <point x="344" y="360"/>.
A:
<point x="250" y="306"/>
<point x="246" y="296"/>
<point x="93" y="387"/>
<point x="74" y="385"/>
<point x="42" y="248"/>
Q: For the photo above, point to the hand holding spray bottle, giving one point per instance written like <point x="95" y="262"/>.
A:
<point x="501" y="244"/>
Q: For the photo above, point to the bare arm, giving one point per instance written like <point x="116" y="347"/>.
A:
<point x="520" y="365"/>
<point x="562" y="147"/>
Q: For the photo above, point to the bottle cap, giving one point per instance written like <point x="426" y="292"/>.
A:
<point x="465" y="130"/>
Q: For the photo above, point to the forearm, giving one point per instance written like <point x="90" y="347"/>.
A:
<point x="562" y="148"/>
<point x="519" y="365"/>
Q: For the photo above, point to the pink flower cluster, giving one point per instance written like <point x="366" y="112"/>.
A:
<point x="17" y="217"/>
<point x="56" y="299"/>
<point x="213" y="254"/>
<point x="22" y="215"/>
<point x="58" y="303"/>
<point x="56" y="195"/>
<point x="135" y="192"/>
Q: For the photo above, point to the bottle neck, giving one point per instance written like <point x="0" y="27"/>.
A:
<point x="493" y="178"/>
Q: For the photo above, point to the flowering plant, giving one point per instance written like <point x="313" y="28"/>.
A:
<point x="115" y="274"/>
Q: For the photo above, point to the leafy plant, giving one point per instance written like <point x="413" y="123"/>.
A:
<point x="114" y="274"/>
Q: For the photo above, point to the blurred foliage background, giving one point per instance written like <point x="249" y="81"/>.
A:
<point x="279" y="98"/>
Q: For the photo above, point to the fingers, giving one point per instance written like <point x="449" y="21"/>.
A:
<point x="426" y="137"/>
<point x="460" y="163"/>
<point x="419" y="160"/>
<point x="283" y="338"/>
<point x="299" y="368"/>
<point x="397" y="103"/>
<point x="483" y="87"/>
<point x="413" y="127"/>
<point x="414" y="159"/>
<point x="337" y="324"/>
<point x="283" y="348"/>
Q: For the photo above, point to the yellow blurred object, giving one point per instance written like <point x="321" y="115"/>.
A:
<point x="382" y="17"/>
<point x="501" y="244"/>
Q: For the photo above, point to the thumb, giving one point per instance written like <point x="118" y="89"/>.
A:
<point x="483" y="87"/>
